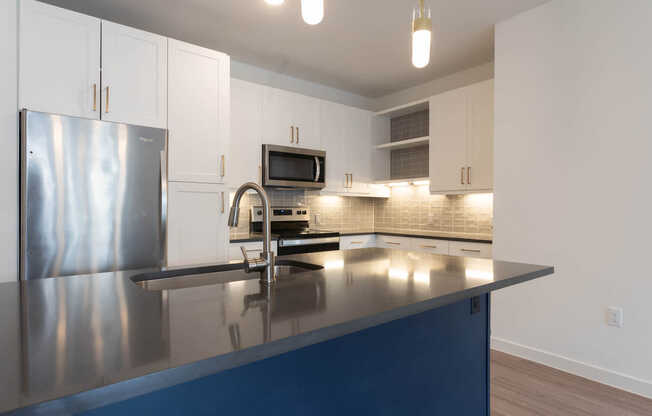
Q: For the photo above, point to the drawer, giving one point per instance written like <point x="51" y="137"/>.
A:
<point x="400" y="243"/>
<point x="480" y="250"/>
<point x="254" y="249"/>
<point x="357" y="241"/>
<point x="427" y="245"/>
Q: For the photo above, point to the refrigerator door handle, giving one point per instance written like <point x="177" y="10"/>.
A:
<point x="164" y="207"/>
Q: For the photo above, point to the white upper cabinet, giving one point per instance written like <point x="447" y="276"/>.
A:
<point x="198" y="113"/>
<point x="461" y="140"/>
<point x="358" y="147"/>
<point x="134" y="76"/>
<point x="290" y="119"/>
<point x="197" y="218"/>
<point x="333" y="132"/>
<point x="245" y="149"/>
<point x="62" y="54"/>
<point x="59" y="61"/>
<point x="481" y="136"/>
<point x="306" y="121"/>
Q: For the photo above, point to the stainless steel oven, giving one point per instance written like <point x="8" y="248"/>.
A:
<point x="291" y="167"/>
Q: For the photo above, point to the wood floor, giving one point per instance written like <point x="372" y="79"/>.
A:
<point x="521" y="387"/>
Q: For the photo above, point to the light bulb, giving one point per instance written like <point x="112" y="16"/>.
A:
<point x="421" y="36"/>
<point x="274" y="2"/>
<point x="312" y="11"/>
<point x="421" y="48"/>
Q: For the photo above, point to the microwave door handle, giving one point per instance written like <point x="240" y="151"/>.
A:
<point x="318" y="172"/>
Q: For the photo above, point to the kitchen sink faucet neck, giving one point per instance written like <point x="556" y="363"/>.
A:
<point x="265" y="263"/>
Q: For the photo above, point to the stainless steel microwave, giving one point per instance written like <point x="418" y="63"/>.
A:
<point x="291" y="167"/>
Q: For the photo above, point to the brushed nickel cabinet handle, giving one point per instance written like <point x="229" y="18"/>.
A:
<point x="462" y="176"/>
<point x="222" y="166"/>
<point x="106" y="109"/>
<point x="356" y="242"/>
<point x="468" y="175"/>
<point x="351" y="179"/>
<point x="94" y="97"/>
<point x="468" y="250"/>
<point x="428" y="246"/>
<point x="254" y="251"/>
<point x="222" y="202"/>
<point x="393" y="243"/>
<point x="346" y="179"/>
<point x="297" y="135"/>
<point x="291" y="134"/>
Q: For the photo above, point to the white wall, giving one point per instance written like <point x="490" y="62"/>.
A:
<point x="9" y="141"/>
<point x="436" y="86"/>
<point x="573" y="161"/>
<point x="262" y="76"/>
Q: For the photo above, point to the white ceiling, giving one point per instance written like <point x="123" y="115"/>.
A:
<point x="362" y="46"/>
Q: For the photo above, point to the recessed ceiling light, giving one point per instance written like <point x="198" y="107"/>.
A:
<point x="274" y="2"/>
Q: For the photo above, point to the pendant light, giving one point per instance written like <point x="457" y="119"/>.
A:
<point x="421" y="36"/>
<point x="312" y="11"/>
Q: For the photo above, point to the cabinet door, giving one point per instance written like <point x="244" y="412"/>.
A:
<point x="481" y="136"/>
<point x="199" y="113"/>
<point x="334" y="142"/>
<point x="277" y="117"/>
<point x="59" y="61"/>
<point x="462" y="249"/>
<point x="427" y="245"/>
<point x="245" y="151"/>
<point x="357" y="241"/>
<point x="448" y="140"/>
<point x="399" y="243"/>
<point x="134" y="76"/>
<point x="306" y="117"/>
<point x="359" y="149"/>
<point x="197" y="223"/>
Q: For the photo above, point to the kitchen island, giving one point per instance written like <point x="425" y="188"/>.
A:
<point x="369" y="331"/>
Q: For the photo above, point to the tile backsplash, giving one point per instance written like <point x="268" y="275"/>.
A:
<point x="409" y="208"/>
<point x="414" y="208"/>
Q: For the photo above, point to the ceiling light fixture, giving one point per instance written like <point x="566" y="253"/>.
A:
<point x="421" y="35"/>
<point x="274" y="2"/>
<point x="312" y="11"/>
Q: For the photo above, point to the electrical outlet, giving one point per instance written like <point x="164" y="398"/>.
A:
<point x="317" y="219"/>
<point x="615" y="316"/>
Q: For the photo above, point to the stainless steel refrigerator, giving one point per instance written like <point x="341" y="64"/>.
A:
<point x="93" y="196"/>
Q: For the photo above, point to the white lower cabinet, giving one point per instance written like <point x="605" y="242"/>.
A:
<point x="357" y="241"/>
<point x="479" y="250"/>
<point x="197" y="223"/>
<point x="253" y="248"/>
<point x="400" y="243"/>
<point x="428" y="245"/>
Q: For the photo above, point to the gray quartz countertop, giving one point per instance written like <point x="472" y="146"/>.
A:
<point x="64" y="336"/>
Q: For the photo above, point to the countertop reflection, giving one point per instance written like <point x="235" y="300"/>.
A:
<point x="62" y="336"/>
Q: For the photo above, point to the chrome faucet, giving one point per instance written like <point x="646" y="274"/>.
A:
<point x="265" y="263"/>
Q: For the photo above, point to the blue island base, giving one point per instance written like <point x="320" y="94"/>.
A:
<point x="433" y="363"/>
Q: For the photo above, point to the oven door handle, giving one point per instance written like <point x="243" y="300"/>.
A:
<point x="308" y="241"/>
<point x="318" y="172"/>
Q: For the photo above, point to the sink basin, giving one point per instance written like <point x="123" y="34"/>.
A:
<point x="215" y="274"/>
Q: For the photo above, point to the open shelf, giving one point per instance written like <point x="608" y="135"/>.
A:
<point x="401" y="110"/>
<point x="404" y="144"/>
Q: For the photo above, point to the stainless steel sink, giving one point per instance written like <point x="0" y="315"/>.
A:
<point x="211" y="275"/>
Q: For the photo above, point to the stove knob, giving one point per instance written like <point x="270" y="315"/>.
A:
<point x="303" y="212"/>
<point x="259" y="212"/>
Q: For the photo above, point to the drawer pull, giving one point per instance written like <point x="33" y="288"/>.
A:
<point x="356" y="242"/>
<point x="254" y="251"/>
<point x="428" y="246"/>
<point x="468" y="250"/>
<point x="393" y="243"/>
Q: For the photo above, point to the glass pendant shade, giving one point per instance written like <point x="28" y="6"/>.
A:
<point x="421" y="36"/>
<point x="312" y="11"/>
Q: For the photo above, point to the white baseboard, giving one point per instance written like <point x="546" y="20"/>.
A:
<point x="598" y="374"/>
